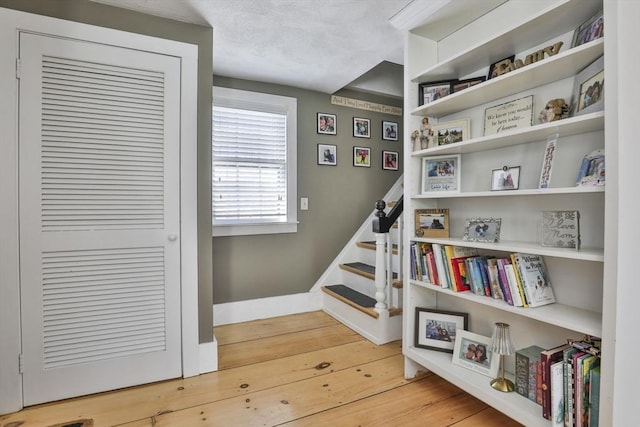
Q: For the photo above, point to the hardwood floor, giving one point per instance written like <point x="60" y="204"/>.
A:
<point x="299" y="370"/>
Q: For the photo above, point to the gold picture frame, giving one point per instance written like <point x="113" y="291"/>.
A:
<point x="432" y="222"/>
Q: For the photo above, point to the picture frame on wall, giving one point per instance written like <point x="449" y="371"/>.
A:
<point x="362" y="157"/>
<point x="389" y="131"/>
<point x="588" y="89"/>
<point x="327" y="124"/>
<point x="327" y="154"/>
<point x="432" y="222"/>
<point x="441" y="174"/>
<point x="361" y="127"/>
<point x="471" y="351"/>
<point x="438" y="329"/>
<point x="450" y="132"/>
<point x="390" y="160"/>
<point x="429" y="92"/>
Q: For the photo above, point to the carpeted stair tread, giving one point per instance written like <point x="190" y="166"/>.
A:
<point x="364" y="268"/>
<point x="352" y="295"/>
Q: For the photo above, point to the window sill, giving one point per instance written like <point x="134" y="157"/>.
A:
<point x="254" y="229"/>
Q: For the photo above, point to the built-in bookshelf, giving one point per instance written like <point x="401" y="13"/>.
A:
<point x="577" y="275"/>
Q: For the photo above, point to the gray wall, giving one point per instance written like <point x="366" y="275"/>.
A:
<point x="340" y="198"/>
<point x="111" y="17"/>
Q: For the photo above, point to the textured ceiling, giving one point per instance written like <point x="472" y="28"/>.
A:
<point x="320" y="45"/>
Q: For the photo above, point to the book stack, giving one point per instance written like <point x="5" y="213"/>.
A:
<point x="567" y="382"/>
<point x="519" y="279"/>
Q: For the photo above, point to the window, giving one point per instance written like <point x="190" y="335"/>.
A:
<point x="253" y="163"/>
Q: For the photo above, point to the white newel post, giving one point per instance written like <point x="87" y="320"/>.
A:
<point x="381" y="273"/>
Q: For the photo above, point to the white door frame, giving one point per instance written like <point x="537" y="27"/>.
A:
<point x="11" y="22"/>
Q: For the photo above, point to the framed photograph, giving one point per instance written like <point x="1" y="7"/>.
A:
<point x="389" y="131"/>
<point x="437" y="329"/>
<point x="327" y="123"/>
<point x="507" y="178"/>
<point x="592" y="170"/>
<point x="482" y="230"/>
<point x="430" y="92"/>
<point x="588" y="89"/>
<point x="467" y="83"/>
<point x="390" y="160"/>
<point x="432" y="222"/>
<point x="561" y="229"/>
<point x="441" y="174"/>
<point x="501" y="67"/>
<point x="470" y="351"/>
<point x="361" y="127"/>
<point x="450" y="132"/>
<point x="362" y="157"/>
<point x="590" y="30"/>
<point x="327" y="155"/>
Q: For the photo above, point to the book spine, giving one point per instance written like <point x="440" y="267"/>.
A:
<point x="522" y="375"/>
<point x="539" y="383"/>
<point x="437" y="254"/>
<point x="492" y="272"/>
<point x="513" y="285"/>
<point x="433" y="271"/>
<point x="484" y="275"/>
<point x="519" y="286"/>
<point x="594" y="397"/>
<point x="504" y="282"/>
<point x="557" y="394"/>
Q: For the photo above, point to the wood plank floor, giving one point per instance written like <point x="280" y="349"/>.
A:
<point x="299" y="370"/>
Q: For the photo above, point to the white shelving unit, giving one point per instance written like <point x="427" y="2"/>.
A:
<point x="576" y="275"/>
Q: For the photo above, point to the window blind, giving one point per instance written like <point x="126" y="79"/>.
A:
<point x="249" y="166"/>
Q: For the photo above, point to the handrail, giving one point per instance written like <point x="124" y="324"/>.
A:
<point x="382" y="222"/>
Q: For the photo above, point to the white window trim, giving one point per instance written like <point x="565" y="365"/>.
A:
<point x="278" y="104"/>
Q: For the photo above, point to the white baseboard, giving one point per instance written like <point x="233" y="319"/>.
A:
<point x="264" y="308"/>
<point x="208" y="356"/>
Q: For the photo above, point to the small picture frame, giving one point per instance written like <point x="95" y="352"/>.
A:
<point x="471" y="352"/>
<point x="389" y="131"/>
<point x="592" y="170"/>
<point x="429" y="92"/>
<point x="327" y="155"/>
<point x="459" y="85"/>
<point x="505" y="178"/>
<point x="482" y="230"/>
<point x="588" y="89"/>
<point x="432" y="222"/>
<point x="327" y="124"/>
<point x="590" y="30"/>
<point x="438" y="329"/>
<point x="450" y="132"/>
<point x="361" y="127"/>
<point x="501" y="67"/>
<point x="362" y="157"/>
<point x="561" y="229"/>
<point x="441" y="174"/>
<point x="390" y="160"/>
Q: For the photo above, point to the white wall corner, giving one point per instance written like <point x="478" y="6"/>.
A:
<point x="264" y="308"/>
<point x="208" y="356"/>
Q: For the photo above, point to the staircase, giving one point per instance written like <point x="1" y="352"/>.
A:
<point x="362" y="288"/>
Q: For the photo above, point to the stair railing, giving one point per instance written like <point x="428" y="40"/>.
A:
<point x="382" y="223"/>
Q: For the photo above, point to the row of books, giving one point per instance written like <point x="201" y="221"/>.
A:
<point x="519" y="279"/>
<point x="564" y="380"/>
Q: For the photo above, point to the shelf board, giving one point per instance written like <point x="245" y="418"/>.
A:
<point x="512" y="404"/>
<point x="511" y="193"/>
<point x="570" y="126"/>
<point x="557" y="67"/>
<point x="548" y="23"/>
<point x="561" y="315"/>
<point x="584" y="254"/>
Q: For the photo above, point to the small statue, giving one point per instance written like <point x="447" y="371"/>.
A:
<point x="415" y="138"/>
<point x="426" y="134"/>
<point x="555" y="109"/>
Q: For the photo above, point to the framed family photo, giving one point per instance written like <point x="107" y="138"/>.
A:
<point x="437" y="329"/>
<point x="588" y="89"/>
<point x="361" y="127"/>
<point x="459" y="85"/>
<point x="430" y="92"/>
<point x="451" y="132"/>
<point x="390" y="160"/>
<point x="441" y="174"/>
<point x="327" y="155"/>
<point x="389" y="131"/>
<point x="482" y="230"/>
<point x="590" y="30"/>
<point x="471" y="352"/>
<point x="327" y="124"/>
<point x="362" y="157"/>
<point x="432" y="222"/>
<point x="506" y="178"/>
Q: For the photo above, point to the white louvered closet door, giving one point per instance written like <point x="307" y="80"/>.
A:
<point x="99" y="217"/>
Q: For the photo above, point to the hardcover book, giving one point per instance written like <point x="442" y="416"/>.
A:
<point x="557" y="394"/>
<point x="494" y="281"/>
<point x="456" y="252"/>
<point x="519" y="286"/>
<point x="527" y="361"/>
<point x="594" y="397"/>
<point x="548" y="358"/>
<point x="534" y="279"/>
<point x="513" y="285"/>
